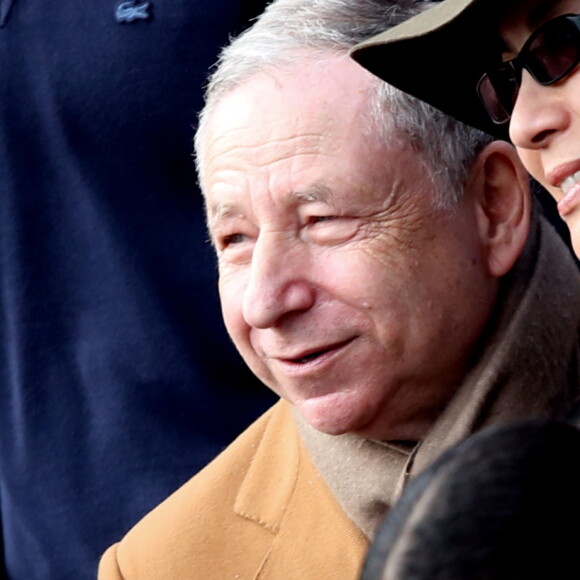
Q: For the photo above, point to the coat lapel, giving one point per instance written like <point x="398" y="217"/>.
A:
<point x="284" y="494"/>
<point x="267" y="488"/>
<point x="269" y="484"/>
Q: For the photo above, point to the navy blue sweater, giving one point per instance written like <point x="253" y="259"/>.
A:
<point x="117" y="381"/>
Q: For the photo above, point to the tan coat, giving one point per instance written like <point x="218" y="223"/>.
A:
<point x="260" y="510"/>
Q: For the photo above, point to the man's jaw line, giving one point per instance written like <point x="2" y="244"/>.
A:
<point x="331" y="412"/>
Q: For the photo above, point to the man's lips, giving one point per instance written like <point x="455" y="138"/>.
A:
<point x="311" y="357"/>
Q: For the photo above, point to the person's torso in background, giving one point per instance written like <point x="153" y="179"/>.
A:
<point x="117" y="380"/>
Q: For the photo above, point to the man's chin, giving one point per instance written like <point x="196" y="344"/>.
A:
<point x="336" y="413"/>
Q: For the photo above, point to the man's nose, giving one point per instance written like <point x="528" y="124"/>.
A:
<point x="278" y="282"/>
<point x="539" y="114"/>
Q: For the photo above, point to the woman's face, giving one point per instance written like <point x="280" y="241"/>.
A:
<point x="545" y="122"/>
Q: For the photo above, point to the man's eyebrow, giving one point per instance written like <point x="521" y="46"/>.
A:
<point x="223" y="210"/>
<point x="313" y="193"/>
<point x="220" y="210"/>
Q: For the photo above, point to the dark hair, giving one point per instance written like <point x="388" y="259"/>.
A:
<point x="502" y="505"/>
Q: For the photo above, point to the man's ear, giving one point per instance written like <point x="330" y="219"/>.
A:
<point x="500" y="186"/>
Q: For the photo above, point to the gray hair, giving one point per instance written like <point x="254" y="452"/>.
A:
<point x="290" y="31"/>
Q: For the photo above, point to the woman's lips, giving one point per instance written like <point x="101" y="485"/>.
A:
<point x="570" y="201"/>
<point x="567" y="178"/>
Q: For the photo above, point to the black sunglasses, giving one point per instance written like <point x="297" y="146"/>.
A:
<point x="550" y="53"/>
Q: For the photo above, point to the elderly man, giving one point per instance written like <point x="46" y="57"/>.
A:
<point x="379" y="271"/>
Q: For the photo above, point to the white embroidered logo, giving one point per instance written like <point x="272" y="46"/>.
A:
<point x="131" y="11"/>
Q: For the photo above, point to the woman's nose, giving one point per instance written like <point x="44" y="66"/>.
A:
<point x="539" y="113"/>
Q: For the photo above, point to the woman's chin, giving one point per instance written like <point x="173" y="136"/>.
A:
<point x="573" y="223"/>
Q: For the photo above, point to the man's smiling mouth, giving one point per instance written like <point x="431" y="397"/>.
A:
<point x="310" y="356"/>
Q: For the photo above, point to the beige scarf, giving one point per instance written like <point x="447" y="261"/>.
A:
<point x="529" y="367"/>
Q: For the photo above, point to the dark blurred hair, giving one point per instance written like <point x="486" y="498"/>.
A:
<point x="501" y="505"/>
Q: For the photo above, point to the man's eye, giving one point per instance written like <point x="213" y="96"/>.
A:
<point x="316" y="219"/>
<point x="331" y="229"/>
<point x="234" y="248"/>
<point x="232" y="239"/>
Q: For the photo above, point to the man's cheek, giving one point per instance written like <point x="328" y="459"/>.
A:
<point x="231" y="305"/>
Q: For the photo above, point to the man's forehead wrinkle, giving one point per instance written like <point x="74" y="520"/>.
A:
<point x="264" y="151"/>
<point x="293" y="152"/>
<point x="285" y="126"/>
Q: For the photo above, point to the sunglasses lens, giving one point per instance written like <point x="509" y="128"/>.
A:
<point x="554" y="52"/>
<point x="498" y="92"/>
<point x="551" y="53"/>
